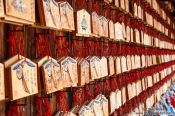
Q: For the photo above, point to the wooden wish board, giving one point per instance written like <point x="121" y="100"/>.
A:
<point x="103" y="26"/>
<point x="104" y="66"/>
<point x="49" y="13"/>
<point x="118" y="31"/>
<point x="113" y="102"/>
<point x="83" y="72"/>
<point x="91" y="106"/>
<point x="111" y="68"/>
<point x="95" y="71"/>
<point x="22" y="79"/>
<point x="105" y="104"/>
<point x="95" y="24"/>
<point x="51" y="73"/>
<point x="69" y="71"/>
<point x="108" y="1"/>
<point x="83" y="23"/>
<point x="22" y="11"/>
<point x="2" y="83"/>
<point x="118" y="68"/>
<point x="67" y="16"/>
<point x="117" y="3"/>
<point x="111" y="30"/>
<point x="118" y="98"/>
<point x="98" y="107"/>
<point x="1" y="8"/>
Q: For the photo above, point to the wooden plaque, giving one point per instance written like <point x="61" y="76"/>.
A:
<point x="91" y="106"/>
<point x="83" y="72"/>
<point x="134" y="89"/>
<point x="95" y="72"/>
<point x="83" y="23"/>
<point x="49" y="13"/>
<point x="129" y="65"/>
<point x="132" y="35"/>
<point x="140" y="12"/>
<point x="118" y="98"/>
<point x="118" y="31"/>
<point x="137" y="61"/>
<point x="72" y="67"/>
<point x="51" y="76"/>
<point x="23" y="79"/>
<point x="138" y="87"/>
<point x="128" y="34"/>
<point x="104" y="66"/>
<point x="111" y="68"/>
<point x="105" y="103"/>
<point x="124" y="31"/>
<point x="113" y="102"/>
<point x="122" y="4"/>
<point x="116" y="2"/>
<point x="118" y="65"/>
<point x="95" y="24"/>
<point x="133" y="62"/>
<point x="98" y="108"/>
<point x="129" y="89"/>
<point x="2" y="85"/>
<point x="84" y="110"/>
<point x="111" y="30"/>
<point x="108" y="1"/>
<point x="123" y="64"/>
<point x="123" y="90"/>
<point x="135" y="10"/>
<point x="143" y="61"/>
<point x="22" y="10"/>
<point x="69" y="72"/>
<point x="1" y="8"/>
<point x="103" y="26"/>
<point x="127" y="5"/>
<point x="137" y="36"/>
<point x="67" y="16"/>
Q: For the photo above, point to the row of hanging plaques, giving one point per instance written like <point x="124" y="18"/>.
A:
<point x="96" y="107"/>
<point x="118" y="98"/>
<point x="61" y="16"/>
<point x="24" y="78"/>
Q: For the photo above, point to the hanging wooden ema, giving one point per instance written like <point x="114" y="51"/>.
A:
<point x="105" y="104"/>
<point x="95" y="72"/>
<point x="51" y="74"/>
<point x="111" y="68"/>
<point x="1" y="8"/>
<point x="111" y="30"/>
<point x="85" y="110"/>
<point x="116" y="2"/>
<point x="21" y="11"/>
<point x="95" y="24"/>
<point x="49" y="13"/>
<point x="104" y="66"/>
<point x="98" y="107"/>
<point x="91" y="106"/>
<point x="83" y="72"/>
<point x="22" y="77"/>
<point x="108" y="1"/>
<point x="118" y="31"/>
<point x="101" y="106"/>
<point x="113" y="102"/>
<point x="103" y="26"/>
<point x="2" y="85"/>
<point x="83" y="23"/>
<point x="118" y="68"/>
<point x="67" y="16"/>
<point x="69" y="72"/>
